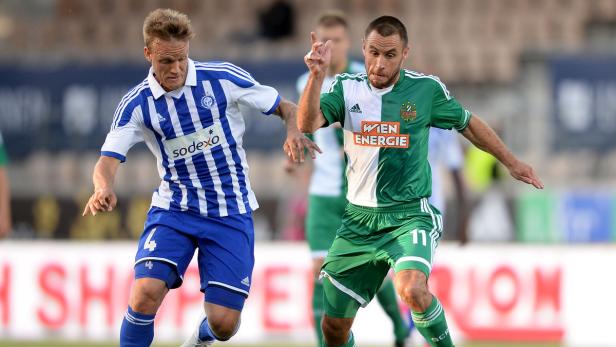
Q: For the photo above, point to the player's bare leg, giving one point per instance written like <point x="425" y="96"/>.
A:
<point x="146" y="295"/>
<point x="337" y="331"/>
<point x="223" y="321"/>
<point x="219" y="323"/>
<point x="427" y="312"/>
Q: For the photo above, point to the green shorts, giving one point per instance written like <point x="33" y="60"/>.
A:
<point x="322" y="220"/>
<point x="369" y="242"/>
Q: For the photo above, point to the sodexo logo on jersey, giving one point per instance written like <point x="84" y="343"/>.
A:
<point x="188" y="145"/>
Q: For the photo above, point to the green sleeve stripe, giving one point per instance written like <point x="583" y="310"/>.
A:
<point x="467" y="119"/>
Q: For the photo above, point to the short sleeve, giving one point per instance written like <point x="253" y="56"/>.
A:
<point x="244" y="89"/>
<point x="332" y="103"/>
<point x="3" y="157"/>
<point x="447" y="112"/>
<point x="126" y="131"/>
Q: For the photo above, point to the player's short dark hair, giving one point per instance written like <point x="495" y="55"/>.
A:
<point x="166" y="24"/>
<point x="387" y="26"/>
<point x="332" y="19"/>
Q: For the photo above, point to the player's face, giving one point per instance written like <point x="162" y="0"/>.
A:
<point x="340" y="45"/>
<point x="383" y="56"/>
<point x="169" y="60"/>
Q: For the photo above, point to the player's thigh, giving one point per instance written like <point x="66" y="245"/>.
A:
<point x="226" y="259"/>
<point x="352" y="275"/>
<point x="322" y="221"/>
<point x="414" y="245"/>
<point x="163" y="252"/>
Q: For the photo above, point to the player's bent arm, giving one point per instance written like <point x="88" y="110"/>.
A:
<point x="310" y="118"/>
<point x="482" y="136"/>
<point x="103" y="199"/>
<point x="296" y="143"/>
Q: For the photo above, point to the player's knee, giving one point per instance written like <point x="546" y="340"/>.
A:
<point x="414" y="292"/>
<point x="335" y="329"/>
<point x="223" y="326"/>
<point x="147" y="295"/>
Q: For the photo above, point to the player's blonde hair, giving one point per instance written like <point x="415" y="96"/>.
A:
<point x="332" y="18"/>
<point x="166" y="24"/>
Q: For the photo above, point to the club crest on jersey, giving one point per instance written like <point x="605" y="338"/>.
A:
<point x="207" y="101"/>
<point x="408" y="111"/>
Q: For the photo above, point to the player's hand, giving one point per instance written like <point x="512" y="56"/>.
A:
<point x="525" y="173"/>
<point x="103" y="199"/>
<point x="319" y="57"/>
<point x="296" y="144"/>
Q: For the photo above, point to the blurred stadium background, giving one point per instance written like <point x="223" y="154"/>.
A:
<point x="543" y="72"/>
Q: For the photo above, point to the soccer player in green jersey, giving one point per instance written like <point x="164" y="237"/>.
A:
<point x="386" y="115"/>
<point x="5" y="194"/>
<point x="326" y="200"/>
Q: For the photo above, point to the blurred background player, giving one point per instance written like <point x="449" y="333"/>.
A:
<point x="327" y="189"/>
<point x="446" y="158"/>
<point x="188" y="114"/>
<point x="5" y="193"/>
<point x="388" y="222"/>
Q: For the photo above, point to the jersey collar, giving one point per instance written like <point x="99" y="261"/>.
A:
<point x="386" y="90"/>
<point x="158" y="90"/>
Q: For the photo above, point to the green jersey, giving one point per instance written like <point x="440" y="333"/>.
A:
<point x="386" y="134"/>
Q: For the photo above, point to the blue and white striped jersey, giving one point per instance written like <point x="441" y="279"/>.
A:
<point x="195" y="132"/>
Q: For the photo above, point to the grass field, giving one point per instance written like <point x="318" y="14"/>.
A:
<point x="277" y="344"/>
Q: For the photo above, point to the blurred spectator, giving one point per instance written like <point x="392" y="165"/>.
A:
<point x="277" y="21"/>
<point x="5" y="194"/>
<point x="445" y="154"/>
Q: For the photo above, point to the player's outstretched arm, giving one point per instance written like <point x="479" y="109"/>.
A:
<point x="103" y="199"/>
<point x="310" y="118"/>
<point x="296" y="143"/>
<point x="482" y="136"/>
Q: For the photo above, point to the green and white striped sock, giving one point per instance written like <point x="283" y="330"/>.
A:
<point x="432" y="325"/>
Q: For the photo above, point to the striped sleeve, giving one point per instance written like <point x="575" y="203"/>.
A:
<point x="447" y="112"/>
<point x="242" y="87"/>
<point x="126" y="130"/>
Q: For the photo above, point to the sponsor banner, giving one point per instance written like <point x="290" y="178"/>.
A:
<point x="516" y="293"/>
<point x="584" y="107"/>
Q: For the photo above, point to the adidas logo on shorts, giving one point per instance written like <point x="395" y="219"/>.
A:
<point x="246" y="282"/>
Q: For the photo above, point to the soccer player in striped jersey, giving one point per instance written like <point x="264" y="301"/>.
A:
<point x="326" y="200"/>
<point x="187" y="113"/>
<point x="386" y="115"/>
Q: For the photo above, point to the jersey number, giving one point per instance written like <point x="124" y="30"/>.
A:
<point x="149" y="243"/>
<point x="414" y="233"/>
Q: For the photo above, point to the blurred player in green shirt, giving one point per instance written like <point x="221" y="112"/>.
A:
<point x="386" y="115"/>
<point x="326" y="201"/>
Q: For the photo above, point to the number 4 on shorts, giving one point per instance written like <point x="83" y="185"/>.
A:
<point x="414" y="233"/>
<point x="149" y="243"/>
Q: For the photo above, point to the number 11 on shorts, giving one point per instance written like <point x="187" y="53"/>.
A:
<point x="151" y="244"/>
<point x="414" y="232"/>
